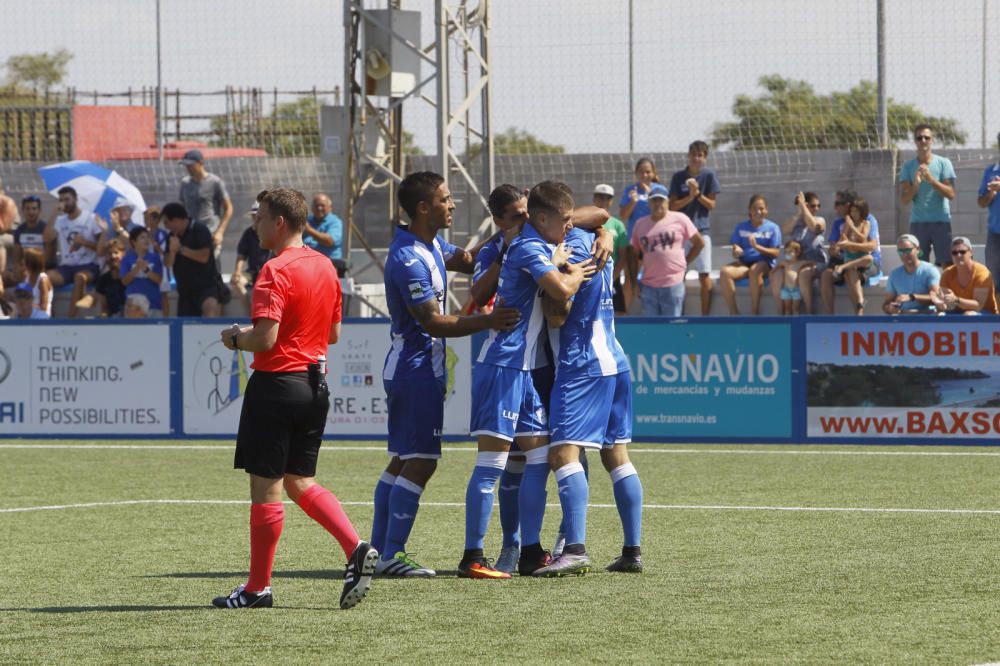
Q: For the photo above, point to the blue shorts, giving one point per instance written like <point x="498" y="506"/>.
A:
<point x="791" y="294"/>
<point x="505" y="403"/>
<point x="592" y="412"/>
<point x="416" y="416"/>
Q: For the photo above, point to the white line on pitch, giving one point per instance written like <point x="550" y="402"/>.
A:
<point x="674" y="507"/>
<point x="468" y="449"/>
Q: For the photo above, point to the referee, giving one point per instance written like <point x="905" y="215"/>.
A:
<point x="296" y="315"/>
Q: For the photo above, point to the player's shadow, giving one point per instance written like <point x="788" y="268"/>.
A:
<point x="331" y="574"/>
<point x="103" y="609"/>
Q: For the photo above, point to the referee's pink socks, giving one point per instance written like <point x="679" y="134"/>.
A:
<point x="265" y="530"/>
<point x="322" y="506"/>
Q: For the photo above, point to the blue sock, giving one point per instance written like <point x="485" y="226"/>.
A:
<point x="404" y="501"/>
<point x="628" y="498"/>
<point x="510" y="485"/>
<point x="479" y="496"/>
<point x="381" y="519"/>
<point x="532" y="495"/>
<point x="573" y="495"/>
<point x="586" y="473"/>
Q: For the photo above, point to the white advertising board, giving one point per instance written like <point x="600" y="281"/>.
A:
<point x="215" y="379"/>
<point x="109" y="379"/>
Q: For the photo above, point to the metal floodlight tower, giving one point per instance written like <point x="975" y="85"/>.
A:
<point x="384" y="66"/>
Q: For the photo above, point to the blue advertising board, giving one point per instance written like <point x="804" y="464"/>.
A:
<point x="693" y="381"/>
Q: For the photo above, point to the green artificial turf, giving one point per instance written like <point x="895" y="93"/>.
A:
<point x="725" y="580"/>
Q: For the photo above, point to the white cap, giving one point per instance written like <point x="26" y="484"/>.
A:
<point x="254" y="208"/>
<point x="122" y="202"/>
<point x="604" y="189"/>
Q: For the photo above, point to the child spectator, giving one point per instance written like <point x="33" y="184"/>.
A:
<point x="136" y="306"/>
<point x="110" y="290"/>
<point x="856" y="229"/>
<point x="756" y="245"/>
<point x="791" y="264"/>
<point x="41" y="286"/>
<point x="142" y="270"/>
<point x="24" y="303"/>
<point x="692" y="192"/>
<point x="159" y="238"/>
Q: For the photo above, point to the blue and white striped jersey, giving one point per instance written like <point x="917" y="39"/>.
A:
<point x="414" y="274"/>
<point x="585" y="345"/>
<point x="527" y="260"/>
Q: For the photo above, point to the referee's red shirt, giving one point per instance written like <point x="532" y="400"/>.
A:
<point x="300" y="290"/>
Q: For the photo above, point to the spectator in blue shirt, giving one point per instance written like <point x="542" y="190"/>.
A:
<point x="928" y="183"/>
<point x="756" y="245"/>
<point x="141" y="270"/>
<point x="914" y="286"/>
<point x="989" y="190"/>
<point x="693" y="191"/>
<point x="634" y="202"/>
<point x="324" y="231"/>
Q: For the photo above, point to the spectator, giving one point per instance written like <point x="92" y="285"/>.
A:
<point x="110" y="288"/>
<point x="160" y="238"/>
<point x="966" y="286"/>
<point x="806" y="227"/>
<point x="30" y="234"/>
<point x="141" y="270"/>
<point x="136" y="306"/>
<point x="858" y="264"/>
<point x="119" y="224"/>
<point x="791" y="264"/>
<point x="77" y="234"/>
<point x="603" y="196"/>
<point x="659" y="240"/>
<point x="41" y="286"/>
<point x="838" y="245"/>
<point x="913" y="287"/>
<point x="205" y="198"/>
<point x="190" y="256"/>
<point x="8" y="220"/>
<point x="24" y="303"/>
<point x="692" y="192"/>
<point x="634" y="202"/>
<point x="249" y="255"/>
<point x="756" y="245"/>
<point x="6" y="307"/>
<point x="324" y="231"/>
<point x="928" y="182"/>
<point x="989" y="190"/>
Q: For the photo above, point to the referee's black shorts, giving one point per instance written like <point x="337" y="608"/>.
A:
<point x="281" y="425"/>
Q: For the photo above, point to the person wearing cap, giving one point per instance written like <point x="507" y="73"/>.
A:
<point x="24" y="303"/>
<point x="658" y="242"/>
<point x="249" y="255"/>
<point x="604" y="194"/>
<point x="989" y="198"/>
<point x="966" y="286"/>
<point x="756" y="245"/>
<point x="119" y="225"/>
<point x="913" y="287"/>
<point x="324" y="231"/>
<point x="927" y="184"/>
<point x="205" y="198"/>
<point x="693" y="190"/>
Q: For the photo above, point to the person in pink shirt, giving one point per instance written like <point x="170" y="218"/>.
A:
<point x="659" y="240"/>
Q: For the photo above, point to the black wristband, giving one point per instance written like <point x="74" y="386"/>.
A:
<point x="235" y="336"/>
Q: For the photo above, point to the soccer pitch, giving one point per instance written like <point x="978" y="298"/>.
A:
<point x="113" y="550"/>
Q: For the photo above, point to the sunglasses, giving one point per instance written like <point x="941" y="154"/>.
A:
<point x="923" y="137"/>
<point x="959" y="253"/>
<point x="906" y="250"/>
<point x="839" y="203"/>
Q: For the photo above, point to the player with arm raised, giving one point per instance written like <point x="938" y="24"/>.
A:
<point x="414" y="374"/>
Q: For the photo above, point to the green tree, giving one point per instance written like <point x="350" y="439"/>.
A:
<point x="791" y="116"/>
<point x="514" y="141"/>
<point x="37" y="70"/>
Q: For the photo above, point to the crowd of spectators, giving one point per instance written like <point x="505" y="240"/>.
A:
<point x="663" y="235"/>
<point x="118" y="268"/>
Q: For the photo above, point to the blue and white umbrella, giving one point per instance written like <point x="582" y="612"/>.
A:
<point x="97" y="188"/>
